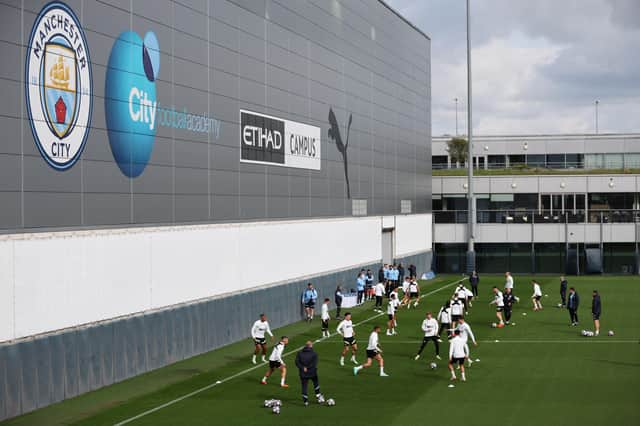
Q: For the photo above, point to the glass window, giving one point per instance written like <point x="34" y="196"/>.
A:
<point x="536" y="160"/>
<point x="632" y="161"/>
<point x="555" y="161"/>
<point x="613" y="161"/>
<point x="575" y="161"/>
<point x="496" y="161"/>
<point x="593" y="161"/>
<point x="439" y="162"/>
<point x="516" y="160"/>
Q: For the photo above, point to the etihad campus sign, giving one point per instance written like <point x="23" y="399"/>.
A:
<point x="269" y="140"/>
<point x="58" y="85"/>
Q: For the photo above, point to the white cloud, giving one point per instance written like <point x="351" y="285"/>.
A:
<point x="538" y="66"/>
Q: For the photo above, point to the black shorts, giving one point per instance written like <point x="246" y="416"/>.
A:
<point x="459" y="361"/>
<point x="325" y="324"/>
<point x="274" y="364"/>
<point x="310" y="304"/>
<point x="260" y="341"/>
<point x="499" y="309"/>
<point x="413" y="295"/>
<point x="595" y="316"/>
<point x="349" y="341"/>
<point x="537" y="297"/>
<point x="455" y="317"/>
<point x="425" y="339"/>
<point x="390" y="316"/>
<point x="371" y="353"/>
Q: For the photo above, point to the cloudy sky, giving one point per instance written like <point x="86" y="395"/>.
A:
<point x="538" y="66"/>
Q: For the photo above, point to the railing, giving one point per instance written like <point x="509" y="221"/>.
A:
<point x="539" y="216"/>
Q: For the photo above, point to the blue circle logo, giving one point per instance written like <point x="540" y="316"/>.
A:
<point x="58" y="85"/>
<point x="130" y="100"/>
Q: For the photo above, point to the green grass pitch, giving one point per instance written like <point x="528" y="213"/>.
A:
<point x="538" y="372"/>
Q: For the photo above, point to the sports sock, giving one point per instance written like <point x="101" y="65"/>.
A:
<point x="253" y="359"/>
<point x="264" y="379"/>
<point x="463" y="378"/>
<point x="453" y="375"/>
<point x="282" y="381"/>
<point x="358" y="368"/>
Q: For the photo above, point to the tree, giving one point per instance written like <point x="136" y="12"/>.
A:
<point x="457" y="149"/>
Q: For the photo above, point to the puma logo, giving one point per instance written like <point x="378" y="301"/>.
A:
<point x="334" y="133"/>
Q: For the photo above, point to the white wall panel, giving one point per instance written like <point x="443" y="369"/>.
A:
<point x="6" y="290"/>
<point x="413" y="234"/>
<point x="65" y="279"/>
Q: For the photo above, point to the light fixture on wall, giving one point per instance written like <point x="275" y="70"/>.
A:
<point x="525" y="146"/>
<point x="486" y="147"/>
<point x="563" y="185"/>
<point x="611" y="184"/>
<point x="465" y="185"/>
<point x="514" y="185"/>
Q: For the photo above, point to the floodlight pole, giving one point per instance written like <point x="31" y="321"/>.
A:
<point x="471" y="254"/>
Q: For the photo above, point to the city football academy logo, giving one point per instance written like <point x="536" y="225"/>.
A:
<point x="130" y="100"/>
<point x="58" y="85"/>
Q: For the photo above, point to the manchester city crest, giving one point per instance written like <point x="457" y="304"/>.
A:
<point x="58" y="85"/>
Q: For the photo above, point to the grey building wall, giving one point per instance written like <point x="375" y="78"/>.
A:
<point x="40" y="371"/>
<point x="291" y="59"/>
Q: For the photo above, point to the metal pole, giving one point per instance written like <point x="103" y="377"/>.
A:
<point x="597" y="102"/>
<point x="471" y="255"/>
<point x="456" y="100"/>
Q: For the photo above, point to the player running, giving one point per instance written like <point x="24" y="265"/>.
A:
<point x="373" y="352"/>
<point x="465" y="333"/>
<point x="258" y="330"/>
<point x="499" y="302"/>
<point x="379" y="292"/>
<point x="444" y="316"/>
<point x="457" y="311"/>
<point x="508" y="299"/>
<point x="537" y="295"/>
<point x="345" y="329"/>
<point x="391" y="314"/>
<point x="414" y="293"/>
<point x="324" y="315"/>
<point x="276" y="363"/>
<point x="458" y="352"/>
<point x="405" y="291"/>
<point x="430" y="328"/>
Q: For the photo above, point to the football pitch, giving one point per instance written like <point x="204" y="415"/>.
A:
<point x="539" y="371"/>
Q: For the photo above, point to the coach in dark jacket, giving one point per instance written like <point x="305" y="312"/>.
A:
<point x="573" y="301"/>
<point x="307" y="363"/>
<point x="563" y="291"/>
<point x="596" y="310"/>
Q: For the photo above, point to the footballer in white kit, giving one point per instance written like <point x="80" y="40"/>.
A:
<point x="258" y="331"/>
<point x="324" y="316"/>
<point x="537" y="295"/>
<point x="430" y="329"/>
<point x="499" y="302"/>
<point x="373" y="352"/>
<point x="458" y="352"/>
<point x="345" y="329"/>
<point x="466" y="333"/>
<point x="276" y="363"/>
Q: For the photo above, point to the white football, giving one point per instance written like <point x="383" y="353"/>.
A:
<point x="331" y="402"/>
<point x="433" y="365"/>
<point x="610" y="333"/>
<point x="494" y="325"/>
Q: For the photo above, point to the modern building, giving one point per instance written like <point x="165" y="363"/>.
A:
<point x="169" y="170"/>
<point x="544" y="204"/>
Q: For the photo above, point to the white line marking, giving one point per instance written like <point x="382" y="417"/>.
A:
<point x="219" y="382"/>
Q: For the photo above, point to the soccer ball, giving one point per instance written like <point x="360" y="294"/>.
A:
<point x="433" y="365"/>
<point x="275" y="409"/>
<point x="331" y="402"/>
<point x="583" y="332"/>
<point x="494" y="325"/>
<point x="559" y="305"/>
<point x="610" y="333"/>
